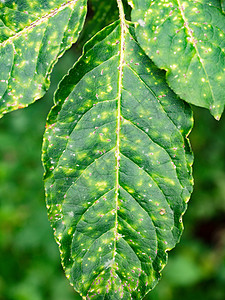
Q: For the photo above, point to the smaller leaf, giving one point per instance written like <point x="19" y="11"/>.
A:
<point x="33" y="35"/>
<point x="187" y="39"/>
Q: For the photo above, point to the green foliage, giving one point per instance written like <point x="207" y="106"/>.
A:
<point x="116" y="152"/>
<point x="116" y="189"/>
<point x="101" y="14"/>
<point x="30" y="263"/>
<point x="33" y="34"/>
<point x="187" y="40"/>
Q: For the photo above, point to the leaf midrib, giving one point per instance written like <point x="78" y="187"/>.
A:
<point x="120" y="86"/>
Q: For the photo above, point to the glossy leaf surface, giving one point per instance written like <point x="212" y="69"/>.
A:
<point x="33" y="34"/>
<point x="118" y="168"/>
<point x="187" y="39"/>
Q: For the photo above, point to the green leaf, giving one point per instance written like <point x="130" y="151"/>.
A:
<point x="187" y="39"/>
<point x="118" y="168"/>
<point x="33" y="35"/>
<point x="101" y="14"/>
<point x="223" y="5"/>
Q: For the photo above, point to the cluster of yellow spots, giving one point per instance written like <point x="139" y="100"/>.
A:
<point x="186" y="22"/>
<point x="118" y="205"/>
<point x="27" y="42"/>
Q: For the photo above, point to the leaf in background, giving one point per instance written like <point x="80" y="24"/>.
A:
<point x="186" y="38"/>
<point x="101" y="14"/>
<point x="118" y="168"/>
<point x="33" y="35"/>
<point x="223" y="5"/>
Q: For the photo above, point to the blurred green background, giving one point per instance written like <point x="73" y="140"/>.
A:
<point x="29" y="258"/>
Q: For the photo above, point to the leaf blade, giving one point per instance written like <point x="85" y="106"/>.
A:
<point x="99" y="203"/>
<point x="187" y="40"/>
<point x="36" y="42"/>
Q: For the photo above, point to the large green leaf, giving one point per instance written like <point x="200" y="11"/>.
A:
<point x="187" y="39"/>
<point x="33" y="34"/>
<point x="118" y="168"/>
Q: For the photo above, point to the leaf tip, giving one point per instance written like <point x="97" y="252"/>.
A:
<point x="216" y="116"/>
<point x="216" y="111"/>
